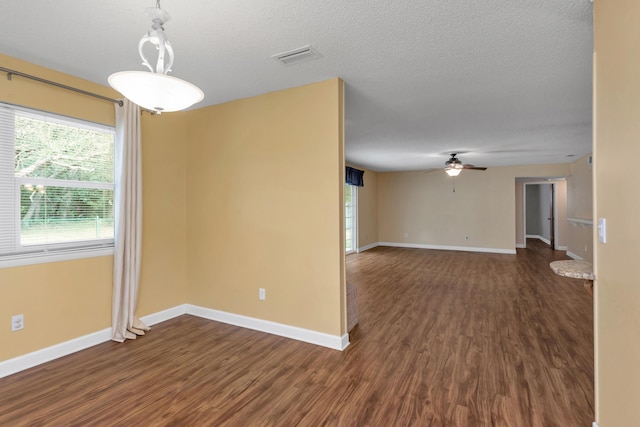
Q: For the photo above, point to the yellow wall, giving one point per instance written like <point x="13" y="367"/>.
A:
<point x="617" y="198"/>
<point x="163" y="275"/>
<point x="65" y="300"/>
<point x="580" y="206"/>
<point x="262" y="178"/>
<point x="482" y="208"/>
<point x="368" y="209"/>
<point x="265" y="182"/>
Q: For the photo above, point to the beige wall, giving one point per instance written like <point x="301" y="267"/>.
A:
<point x="482" y="208"/>
<point x="562" y="233"/>
<point x="580" y="206"/>
<point x="65" y="300"/>
<point x="617" y="198"/>
<point x="265" y="207"/>
<point x="368" y="209"/>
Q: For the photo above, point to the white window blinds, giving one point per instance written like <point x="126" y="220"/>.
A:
<point x="56" y="183"/>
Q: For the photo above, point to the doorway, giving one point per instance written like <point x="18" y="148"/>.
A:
<point x="539" y="217"/>
<point x="544" y="212"/>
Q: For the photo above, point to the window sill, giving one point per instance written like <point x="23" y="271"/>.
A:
<point x="54" y="256"/>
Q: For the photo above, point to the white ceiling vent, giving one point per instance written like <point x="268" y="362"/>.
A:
<point x="301" y="54"/>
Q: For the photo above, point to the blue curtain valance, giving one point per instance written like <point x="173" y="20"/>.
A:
<point x="354" y="176"/>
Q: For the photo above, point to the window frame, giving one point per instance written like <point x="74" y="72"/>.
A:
<point x="354" y="218"/>
<point x="10" y="218"/>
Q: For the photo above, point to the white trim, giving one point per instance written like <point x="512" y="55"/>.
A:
<point x="335" y="342"/>
<point x="574" y="256"/>
<point x="561" y="248"/>
<point x="595" y="424"/>
<point x="65" y="183"/>
<point x="344" y="342"/>
<point x="163" y="316"/>
<point x="521" y="246"/>
<point x="449" y="248"/>
<point x="38" y="357"/>
<point x="17" y="260"/>
<point x="371" y="246"/>
<point x="48" y="354"/>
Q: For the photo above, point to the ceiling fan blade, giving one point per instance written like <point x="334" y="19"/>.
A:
<point x="478" y="168"/>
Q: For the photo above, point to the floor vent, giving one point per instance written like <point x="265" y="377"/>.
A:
<point x="301" y="54"/>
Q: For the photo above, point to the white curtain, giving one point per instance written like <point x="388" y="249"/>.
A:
<point x="128" y="224"/>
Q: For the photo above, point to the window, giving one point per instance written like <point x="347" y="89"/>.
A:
<point x="350" y="205"/>
<point x="56" y="187"/>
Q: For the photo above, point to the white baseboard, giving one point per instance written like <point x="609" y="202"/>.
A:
<point x="367" y="247"/>
<point x="335" y="342"/>
<point x="38" y="357"/>
<point x="48" y="354"/>
<point x="595" y="424"/>
<point x="56" y="351"/>
<point x="561" y="248"/>
<point x="449" y="248"/>
<point x="521" y="246"/>
<point x="574" y="256"/>
<point x="164" y="315"/>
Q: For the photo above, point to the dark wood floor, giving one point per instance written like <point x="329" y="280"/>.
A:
<point x="445" y="338"/>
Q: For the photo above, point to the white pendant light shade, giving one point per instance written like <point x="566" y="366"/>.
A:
<point x="154" y="91"/>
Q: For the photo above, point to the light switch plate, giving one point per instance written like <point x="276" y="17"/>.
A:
<point x="602" y="230"/>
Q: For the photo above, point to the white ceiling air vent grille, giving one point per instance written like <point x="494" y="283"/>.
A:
<point x="301" y="54"/>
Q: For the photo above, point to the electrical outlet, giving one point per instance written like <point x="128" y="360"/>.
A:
<point x="406" y="234"/>
<point x="17" y="322"/>
<point x="262" y="294"/>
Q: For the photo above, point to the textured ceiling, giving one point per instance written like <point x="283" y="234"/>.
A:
<point x="506" y="81"/>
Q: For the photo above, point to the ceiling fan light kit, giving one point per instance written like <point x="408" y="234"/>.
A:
<point x="453" y="171"/>
<point x="154" y="89"/>
<point x="454" y="166"/>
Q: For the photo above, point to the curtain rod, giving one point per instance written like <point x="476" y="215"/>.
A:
<point x="60" y="85"/>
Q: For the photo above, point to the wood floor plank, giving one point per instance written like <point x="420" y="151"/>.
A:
<point x="444" y="339"/>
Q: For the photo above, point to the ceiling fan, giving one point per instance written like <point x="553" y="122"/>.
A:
<point x="454" y="166"/>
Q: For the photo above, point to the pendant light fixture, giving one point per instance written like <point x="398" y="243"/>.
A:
<point x="154" y="89"/>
